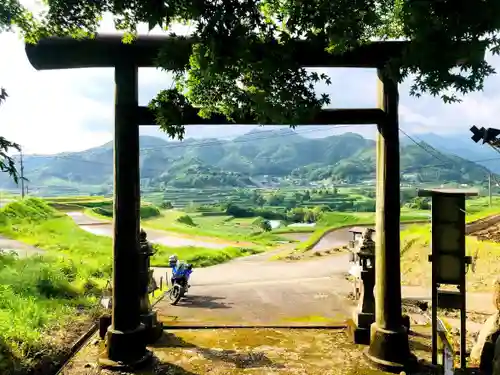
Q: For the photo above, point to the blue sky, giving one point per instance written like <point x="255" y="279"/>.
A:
<point x="71" y="110"/>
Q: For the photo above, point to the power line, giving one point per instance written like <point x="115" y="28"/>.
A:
<point x="420" y="144"/>
<point x="186" y="145"/>
<point x="22" y="174"/>
<point x="252" y="139"/>
<point x="218" y="141"/>
<point x="438" y="158"/>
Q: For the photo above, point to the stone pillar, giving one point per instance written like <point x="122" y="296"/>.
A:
<point x="389" y="346"/>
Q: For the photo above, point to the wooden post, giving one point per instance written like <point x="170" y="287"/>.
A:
<point x="125" y="338"/>
<point x="389" y="347"/>
<point x="489" y="189"/>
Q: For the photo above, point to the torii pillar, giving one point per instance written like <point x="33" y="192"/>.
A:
<point x="126" y="338"/>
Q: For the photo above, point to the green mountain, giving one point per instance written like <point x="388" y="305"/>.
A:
<point x="244" y="161"/>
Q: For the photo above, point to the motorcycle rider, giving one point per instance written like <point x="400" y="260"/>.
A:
<point x="179" y="267"/>
<point x="173" y="263"/>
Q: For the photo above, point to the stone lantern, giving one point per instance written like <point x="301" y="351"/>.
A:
<point x="364" y="314"/>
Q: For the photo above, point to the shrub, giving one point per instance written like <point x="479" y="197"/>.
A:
<point x="187" y="220"/>
<point x="166" y="205"/>
<point x="146" y="211"/>
<point x="149" y="211"/>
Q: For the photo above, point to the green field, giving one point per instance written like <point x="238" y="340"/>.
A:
<point x="41" y="295"/>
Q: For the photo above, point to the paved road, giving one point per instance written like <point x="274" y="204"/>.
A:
<point x="22" y="249"/>
<point x="171" y="239"/>
<point x="254" y="290"/>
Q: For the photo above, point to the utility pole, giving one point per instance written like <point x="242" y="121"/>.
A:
<point x="22" y="175"/>
<point x="489" y="188"/>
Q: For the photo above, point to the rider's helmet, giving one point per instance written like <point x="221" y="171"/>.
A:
<point x="142" y="235"/>
<point x="172" y="260"/>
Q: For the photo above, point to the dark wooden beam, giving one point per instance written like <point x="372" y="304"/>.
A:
<point x="125" y="338"/>
<point x="355" y="116"/>
<point x="109" y="50"/>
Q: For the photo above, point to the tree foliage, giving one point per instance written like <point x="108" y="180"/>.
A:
<point x="7" y="164"/>
<point x="225" y="75"/>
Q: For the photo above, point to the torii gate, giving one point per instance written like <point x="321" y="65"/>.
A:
<point x="389" y="346"/>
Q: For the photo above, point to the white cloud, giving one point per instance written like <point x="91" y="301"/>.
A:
<point x="54" y="111"/>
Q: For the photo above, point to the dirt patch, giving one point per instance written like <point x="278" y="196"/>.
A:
<point x="58" y="349"/>
<point x="294" y="255"/>
<point x="482" y="224"/>
<point x="235" y="352"/>
<point x="491" y="233"/>
<point x="420" y="311"/>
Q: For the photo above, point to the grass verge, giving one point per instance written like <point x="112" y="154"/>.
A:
<point x="415" y="267"/>
<point x="41" y="296"/>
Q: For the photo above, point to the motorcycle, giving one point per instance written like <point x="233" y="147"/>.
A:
<point x="180" y="282"/>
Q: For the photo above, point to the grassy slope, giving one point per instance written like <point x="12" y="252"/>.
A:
<point x="415" y="268"/>
<point x="416" y="246"/>
<point x="44" y="293"/>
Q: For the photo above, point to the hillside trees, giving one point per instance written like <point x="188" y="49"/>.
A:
<point x="271" y="86"/>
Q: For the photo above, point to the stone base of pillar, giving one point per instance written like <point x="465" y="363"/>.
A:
<point x="153" y="328"/>
<point x="125" y="350"/>
<point x="390" y="350"/>
<point x="364" y="320"/>
<point x="360" y="327"/>
<point x="358" y="335"/>
<point x="104" y="323"/>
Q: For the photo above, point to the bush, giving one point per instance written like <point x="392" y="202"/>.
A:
<point x="31" y="209"/>
<point x="146" y="211"/>
<point x="166" y="205"/>
<point x="149" y="211"/>
<point x="186" y="219"/>
<point x="212" y="214"/>
<point x="263" y="224"/>
<point x="239" y="212"/>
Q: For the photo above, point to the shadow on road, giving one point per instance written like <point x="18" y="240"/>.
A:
<point x="203" y="302"/>
<point x="240" y="360"/>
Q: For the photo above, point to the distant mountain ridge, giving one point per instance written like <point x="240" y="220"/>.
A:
<point x="462" y="145"/>
<point x="242" y="161"/>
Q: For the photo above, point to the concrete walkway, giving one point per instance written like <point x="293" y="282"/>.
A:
<point x="22" y="249"/>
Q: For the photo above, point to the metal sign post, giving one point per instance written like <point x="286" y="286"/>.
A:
<point x="448" y="258"/>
